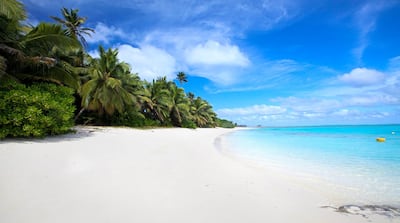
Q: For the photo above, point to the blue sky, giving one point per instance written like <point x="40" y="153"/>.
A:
<point x="282" y="62"/>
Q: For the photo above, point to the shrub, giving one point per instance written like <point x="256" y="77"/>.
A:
<point x="225" y="123"/>
<point x="188" y="124"/>
<point x="130" y="117"/>
<point x="37" y="110"/>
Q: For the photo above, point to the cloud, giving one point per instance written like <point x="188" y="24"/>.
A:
<point x="224" y="64"/>
<point x="253" y="110"/>
<point x="282" y="115"/>
<point x="214" y="53"/>
<point x="204" y="53"/>
<point x="365" y="20"/>
<point x="283" y="66"/>
<point x="267" y="13"/>
<point x="362" y="77"/>
<point x="394" y="64"/>
<point x="105" y="34"/>
<point x="179" y="39"/>
<point x="371" y="99"/>
<point x="148" y="61"/>
<point x="314" y="104"/>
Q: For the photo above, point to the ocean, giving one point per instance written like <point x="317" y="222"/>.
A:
<point x="347" y="157"/>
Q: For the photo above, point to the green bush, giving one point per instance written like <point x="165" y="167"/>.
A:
<point x="188" y="124"/>
<point x="130" y="118"/>
<point x="225" y="123"/>
<point x="37" y="110"/>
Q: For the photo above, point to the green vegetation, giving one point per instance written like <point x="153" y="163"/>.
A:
<point x="225" y="123"/>
<point x="46" y="75"/>
<point x="37" y="110"/>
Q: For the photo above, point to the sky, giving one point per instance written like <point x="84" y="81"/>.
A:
<point x="258" y="62"/>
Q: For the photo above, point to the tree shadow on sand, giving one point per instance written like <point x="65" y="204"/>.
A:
<point x="77" y="133"/>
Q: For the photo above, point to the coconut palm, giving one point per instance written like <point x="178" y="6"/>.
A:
<point x="34" y="58"/>
<point x="202" y="113"/>
<point x="26" y="54"/>
<point x="105" y="92"/>
<point x="12" y="9"/>
<point x="34" y="53"/>
<point x="181" y="77"/>
<point x="11" y="15"/>
<point x="73" y="24"/>
<point x="156" y="100"/>
<point x="179" y="104"/>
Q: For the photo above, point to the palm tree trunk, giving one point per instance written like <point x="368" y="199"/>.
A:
<point x="79" y="113"/>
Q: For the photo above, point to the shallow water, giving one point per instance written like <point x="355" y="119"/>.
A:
<point x="346" y="156"/>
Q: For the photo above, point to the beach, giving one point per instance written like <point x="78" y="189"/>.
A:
<point x="101" y="174"/>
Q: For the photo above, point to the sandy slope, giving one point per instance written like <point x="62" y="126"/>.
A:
<point x="160" y="175"/>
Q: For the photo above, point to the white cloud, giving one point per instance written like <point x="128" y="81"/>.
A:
<point x="215" y="53"/>
<point x="320" y="105"/>
<point x="365" y="20"/>
<point x="105" y="34"/>
<point x="149" y="61"/>
<point x="283" y="66"/>
<point x="363" y="77"/>
<point x="94" y="53"/>
<point x="394" y="63"/>
<point x="371" y="99"/>
<point x="203" y="53"/>
<point x="346" y="112"/>
<point x="179" y="39"/>
<point x="252" y="110"/>
<point x="279" y="115"/>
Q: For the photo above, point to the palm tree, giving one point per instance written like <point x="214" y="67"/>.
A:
<point x="105" y="92"/>
<point x="190" y="95"/>
<point x="12" y="9"/>
<point x="73" y="22"/>
<point x="11" y="14"/>
<point x="202" y="113"/>
<point x="155" y="100"/>
<point x="33" y="56"/>
<point x="181" y="77"/>
<point x="179" y="104"/>
<point x="26" y="52"/>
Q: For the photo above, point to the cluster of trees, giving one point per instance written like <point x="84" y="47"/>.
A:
<point x="105" y="89"/>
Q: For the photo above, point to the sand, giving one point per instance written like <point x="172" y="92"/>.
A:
<point x="101" y="175"/>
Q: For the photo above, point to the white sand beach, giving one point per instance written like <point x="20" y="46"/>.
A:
<point x="101" y="175"/>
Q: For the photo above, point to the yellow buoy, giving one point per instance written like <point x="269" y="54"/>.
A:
<point x="380" y="139"/>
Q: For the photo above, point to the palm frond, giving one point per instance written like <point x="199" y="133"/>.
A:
<point x="45" y="36"/>
<point x="12" y="9"/>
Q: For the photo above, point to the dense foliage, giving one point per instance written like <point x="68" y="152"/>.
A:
<point x="225" y="123"/>
<point x="37" y="110"/>
<point x="106" y="91"/>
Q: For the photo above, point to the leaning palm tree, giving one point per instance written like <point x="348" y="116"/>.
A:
<point x="33" y="57"/>
<point x="29" y="56"/>
<point x="156" y="100"/>
<point x="202" y="113"/>
<point x="73" y="23"/>
<point x="105" y="92"/>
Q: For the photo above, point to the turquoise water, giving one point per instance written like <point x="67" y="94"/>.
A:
<point x="345" y="156"/>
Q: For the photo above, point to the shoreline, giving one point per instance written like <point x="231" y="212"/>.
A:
<point x="340" y="197"/>
<point x="104" y="174"/>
